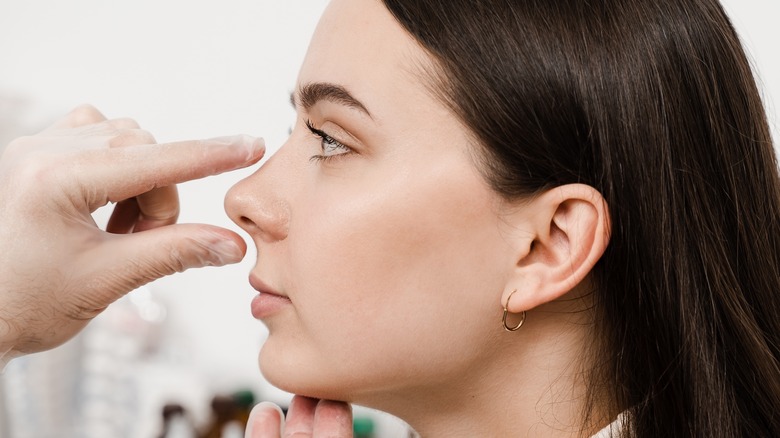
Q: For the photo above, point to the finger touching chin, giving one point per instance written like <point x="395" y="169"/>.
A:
<point x="266" y="420"/>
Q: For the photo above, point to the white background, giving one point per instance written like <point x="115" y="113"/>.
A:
<point x="182" y="69"/>
<point x="187" y="69"/>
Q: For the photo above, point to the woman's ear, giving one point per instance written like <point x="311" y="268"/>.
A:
<point x="569" y="228"/>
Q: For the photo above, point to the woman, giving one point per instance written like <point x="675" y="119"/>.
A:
<point x="504" y="218"/>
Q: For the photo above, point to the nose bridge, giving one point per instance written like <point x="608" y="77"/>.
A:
<point x="258" y="203"/>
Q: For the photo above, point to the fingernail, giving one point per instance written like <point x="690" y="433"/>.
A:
<point x="254" y="145"/>
<point x="224" y="252"/>
<point x="267" y="415"/>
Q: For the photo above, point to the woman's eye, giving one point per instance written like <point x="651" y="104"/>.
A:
<point x="330" y="146"/>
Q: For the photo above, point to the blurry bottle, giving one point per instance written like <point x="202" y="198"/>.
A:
<point x="233" y="430"/>
<point x="223" y="411"/>
<point x="39" y="392"/>
<point x="363" y="427"/>
<point x="245" y="401"/>
<point x="114" y="344"/>
<point x="176" y="424"/>
<point x="87" y="387"/>
<point x="229" y="415"/>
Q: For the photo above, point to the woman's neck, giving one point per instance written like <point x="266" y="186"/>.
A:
<point x="535" y="384"/>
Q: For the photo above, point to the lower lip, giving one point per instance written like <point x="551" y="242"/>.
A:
<point x="265" y="305"/>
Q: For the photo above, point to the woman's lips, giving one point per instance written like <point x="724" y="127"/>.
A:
<point x="268" y="301"/>
<point x="266" y="304"/>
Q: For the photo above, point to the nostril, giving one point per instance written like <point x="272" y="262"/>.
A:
<point x="246" y="222"/>
<point x="264" y="219"/>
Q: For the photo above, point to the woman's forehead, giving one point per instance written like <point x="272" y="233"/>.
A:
<point x="358" y="45"/>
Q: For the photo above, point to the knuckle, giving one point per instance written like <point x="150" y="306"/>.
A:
<point x="175" y="261"/>
<point x="36" y="170"/>
<point x="20" y="145"/>
<point x="86" y="114"/>
<point x="125" y="123"/>
<point x="82" y="311"/>
<point x="131" y="137"/>
<point x="145" y="136"/>
<point x="195" y="251"/>
<point x="85" y="303"/>
<point x="147" y="269"/>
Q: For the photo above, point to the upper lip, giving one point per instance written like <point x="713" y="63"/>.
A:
<point x="262" y="287"/>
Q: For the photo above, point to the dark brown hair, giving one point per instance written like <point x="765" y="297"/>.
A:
<point x="653" y="103"/>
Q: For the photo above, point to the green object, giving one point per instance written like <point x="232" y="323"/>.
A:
<point x="363" y="427"/>
<point x="244" y="399"/>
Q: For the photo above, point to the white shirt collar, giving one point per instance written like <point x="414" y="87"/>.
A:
<point x="613" y="429"/>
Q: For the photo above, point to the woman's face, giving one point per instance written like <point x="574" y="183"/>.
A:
<point x="383" y="240"/>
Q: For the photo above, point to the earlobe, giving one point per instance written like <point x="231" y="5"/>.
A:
<point x="571" y="232"/>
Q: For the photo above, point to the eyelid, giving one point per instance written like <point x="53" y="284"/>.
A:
<point x="327" y="138"/>
<point x="340" y="133"/>
<point x="324" y="135"/>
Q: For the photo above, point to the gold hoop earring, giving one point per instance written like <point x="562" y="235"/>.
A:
<point x="506" y="312"/>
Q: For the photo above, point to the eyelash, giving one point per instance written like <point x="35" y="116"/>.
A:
<point x="326" y="139"/>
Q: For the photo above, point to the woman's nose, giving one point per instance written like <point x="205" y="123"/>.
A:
<point x="257" y="205"/>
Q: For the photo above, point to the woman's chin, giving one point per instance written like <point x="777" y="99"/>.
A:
<point x="298" y="376"/>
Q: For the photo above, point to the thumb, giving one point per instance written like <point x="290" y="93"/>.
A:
<point x="265" y="421"/>
<point x="128" y="261"/>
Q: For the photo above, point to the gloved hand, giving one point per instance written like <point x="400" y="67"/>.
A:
<point x="306" y="418"/>
<point x="58" y="270"/>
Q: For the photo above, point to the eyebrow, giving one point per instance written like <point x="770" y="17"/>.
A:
<point x="311" y="93"/>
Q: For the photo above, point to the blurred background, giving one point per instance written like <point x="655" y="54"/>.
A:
<point x="185" y="345"/>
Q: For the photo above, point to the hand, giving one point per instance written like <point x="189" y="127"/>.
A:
<point x="58" y="270"/>
<point x="306" y="418"/>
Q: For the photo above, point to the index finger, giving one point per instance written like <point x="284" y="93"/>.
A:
<point x="300" y="417"/>
<point x="333" y="419"/>
<point x="265" y="421"/>
<point x="156" y="208"/>
<point x="121" y="173"/>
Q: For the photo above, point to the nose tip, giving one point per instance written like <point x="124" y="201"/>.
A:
<point x="257" y="211"/>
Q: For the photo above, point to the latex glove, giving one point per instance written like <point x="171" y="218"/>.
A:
<point x="306" y="418"/>
<point x="58" y="270"/>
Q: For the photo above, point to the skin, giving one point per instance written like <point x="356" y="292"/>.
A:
<point x="58" y="270"/>
<point x="306" y="417"/>
<point x="397" y="257"/>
